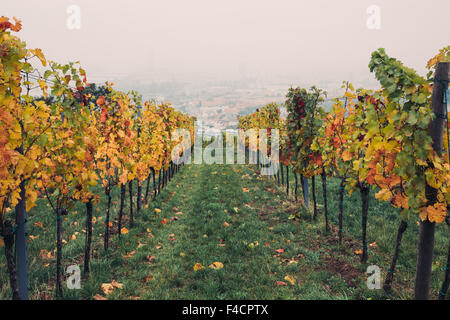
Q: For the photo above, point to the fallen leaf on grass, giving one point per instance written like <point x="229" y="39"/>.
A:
<point x="124" y="230"/>
<point x="140" y="245"/>
<point x="38" y="224"/>
<point x="157" y="210"/>
<point x="280" y="250"/>
<point x="358" y="252"/>
<point x="164" y="221"/>
<point x="289" y="261"/>
<point x="216" y="265"/>
<point x="226" y="224"/>
<point x="253" y="244"/>
<point x="198" y="267"/>
<point x="129" y="255"/>
<point x="99" y="297"/>
<point x="150" y="258"/>
<point x="149" y="278"/>
<point x="108" y="288"/>
<point x="280" y="283"/>
<point x="290" y="279"/>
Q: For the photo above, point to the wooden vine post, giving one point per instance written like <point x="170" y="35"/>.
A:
<point x="427" y="228"/>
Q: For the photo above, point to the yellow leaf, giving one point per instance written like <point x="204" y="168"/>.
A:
<point x="384" y="195"/>
<point x="38" y="53"/>
<point x="198" y="267"/>
<point x="157" y="210"/>
<point x="123" y="177"/>
<point x="421" y="162"/>
<point x="290" y="279"/>
<point x="347" y="155"/>
<point x="107" y="288"/>
<point x="124" y="230"/>
<point x="216" y="265"/>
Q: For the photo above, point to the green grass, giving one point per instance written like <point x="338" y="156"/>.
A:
<point x="261" y="221"/>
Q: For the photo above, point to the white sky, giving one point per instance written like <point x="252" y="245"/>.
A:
<point x="326" y="39"/>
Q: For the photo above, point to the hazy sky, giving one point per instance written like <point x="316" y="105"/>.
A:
<point x="326" y="39"/>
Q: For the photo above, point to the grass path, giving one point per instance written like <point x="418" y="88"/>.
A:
<point x="232" y="216"/>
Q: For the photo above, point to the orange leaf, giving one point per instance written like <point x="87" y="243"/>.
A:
<point x="198" y="267"/>
<point x="437" y="212"/>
